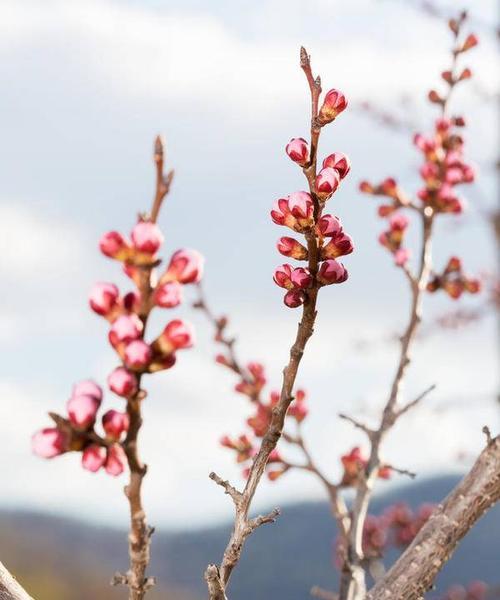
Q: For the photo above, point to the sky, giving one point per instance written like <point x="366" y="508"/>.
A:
<point x="88" y="86"/>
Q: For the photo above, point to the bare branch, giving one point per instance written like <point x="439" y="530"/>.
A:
<point x="10" y="589"/>
<point x="414" y="572"/>
<point x="319" y="592"/>
<point x="369" y="432"/>
<point x="229" y="489"/>
<point x="413" y="403"/>
<point x="215" y="587"/>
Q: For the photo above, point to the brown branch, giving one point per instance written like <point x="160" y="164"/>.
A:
<point x="414" y="572"/>
<point x="10" y="588"/>
<point x="243" y="526"/>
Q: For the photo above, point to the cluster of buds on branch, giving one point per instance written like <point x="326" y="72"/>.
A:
<point x="325" y="240"/>
<point x="127" y="316"/>
<point x="453" y="280"/>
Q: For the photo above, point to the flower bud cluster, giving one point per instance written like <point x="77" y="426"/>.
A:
<point x="126" y="316"/>
<point x="354" y="464"/>
<point x="453" y="280"/>
<point x="77" y="432"/>
<point x="302" y="212"/>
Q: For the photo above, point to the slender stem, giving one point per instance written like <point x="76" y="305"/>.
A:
<point x="10" y="589"/>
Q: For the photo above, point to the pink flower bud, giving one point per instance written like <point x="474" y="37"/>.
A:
<point x="339" y="245"/>
<point x="301" y="278"/>
<point x="115" y="423"/>
<point x="290" y="247"/>
<point x="470" y="41"/>
<point x="103" y="298"/>
<point x="93" y="457"/>
<point x="49" y="442"/>
<point x="169" y="294"/>
<point x="333" y="104"/>
<point x="115" y="460"/>
<point x="138" y="355"/>
<point x="147" y="237"/>
<point x="122" y="382"/>
<point x="434" y="97"/>
<point x="131" y="302"/>
<point x="332" y="271"/>
<point x="366" y="187"/>
<point x="327" y="182"/>
<point x="82" y="411"/>
<point x="125" y="329"/>
<point x="114" y="245"/>
<point x="329" y="226"/>
<point x="398" y="222"/>
<point x="87" y="388"/>
<point x="339" y="162"/>
<point x="186" y="266"/>
<point x="401" y="256"/>
<point x="177" y="335"/>
<point x="289" y="278"/>
<point x="384" y="210"/>
<point x="298" y="150"/>
<point x="295" y="211"/>
<point x="162" y="363"/>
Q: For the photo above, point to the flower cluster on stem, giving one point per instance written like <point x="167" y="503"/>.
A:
<point x="117" y="445"/>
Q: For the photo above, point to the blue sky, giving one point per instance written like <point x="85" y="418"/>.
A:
<point x="89" y="85"/>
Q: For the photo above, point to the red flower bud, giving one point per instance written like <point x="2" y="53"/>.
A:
<point x="366" y="188"/>
<point x="401" y="256"/>
<point x="138" y="355"/>
<point x="470" y="41"/>
<point x="122" y="382"/>
<point x="125" y="329"/>
<point x="289" y="278"/>
<point x="114" y="245"/>
<point x="292" y="248"/>
<point x="115" y="424"/>
<point x="82" y="411"/>
<point x="115" y="460"/>
<point x="465" y="74"/>
<point x="340" y="245"/>
<point x="87" y="388"/>
<point x="298" y="150"/>
<point x="168" y="295"/>
<point x="329" y="226"/>
<point x="295" y="298"/>
<point x="103" y="298"/>
<point x="435" y="97"/>
<point x="147" y="237"/>
<point x="186" y="266"/>
<point x="93" y="458"/>
<point x="339" y="162"/>
<point x="295" y="211"/>
<point x="49" y="442"/>
<point x="332" y="271"/>
<point x="333" y="104"/>
<point x="327" y="182"/>
<point x="177" y="335"/>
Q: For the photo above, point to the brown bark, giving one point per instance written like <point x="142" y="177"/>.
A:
<point x="414" y="572"/>
<point x="10" y="588"/>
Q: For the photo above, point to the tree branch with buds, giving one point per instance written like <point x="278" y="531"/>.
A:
<point x="128" y="318"/>
<point x="303" y="213"/>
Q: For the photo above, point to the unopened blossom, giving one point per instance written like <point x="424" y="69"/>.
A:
<point x="114" y="245"/>
<point x="87" y="388"/>
<point x="289" y="277"/>
<point x="93" y="458"/>
<point x="115" y="424"/>
<point x="332" y="271"/>
<point x="298" y="150"/>
<point x="125" y="329"/>
<point x="338" y="161"/>
<point x="294" y="298"/>
<point x="138" y="355"/>
<point x="49" y="442"/>
<point x="186" y="266"/>
<point x="168" y="295"/>
<point x="177" y="335"/>
<point x="333" y="104"/>
<point x="339" y="245"/>
<point x="123" y="382"/>
<point x="327" y="181"/>
<point x="103" y="298"/>
<point x="82" y="411"/>
<point x="295" y="211"/>
<point x="147" y="237"/>
<point x="115" y="460"/>
<point x="292" y="248"/>
<point x="329" y="226"/>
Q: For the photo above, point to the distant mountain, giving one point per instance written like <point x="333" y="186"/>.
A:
<point x="63" y="559"/>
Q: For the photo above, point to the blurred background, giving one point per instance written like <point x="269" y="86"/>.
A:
<point x="87" y="86"/>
